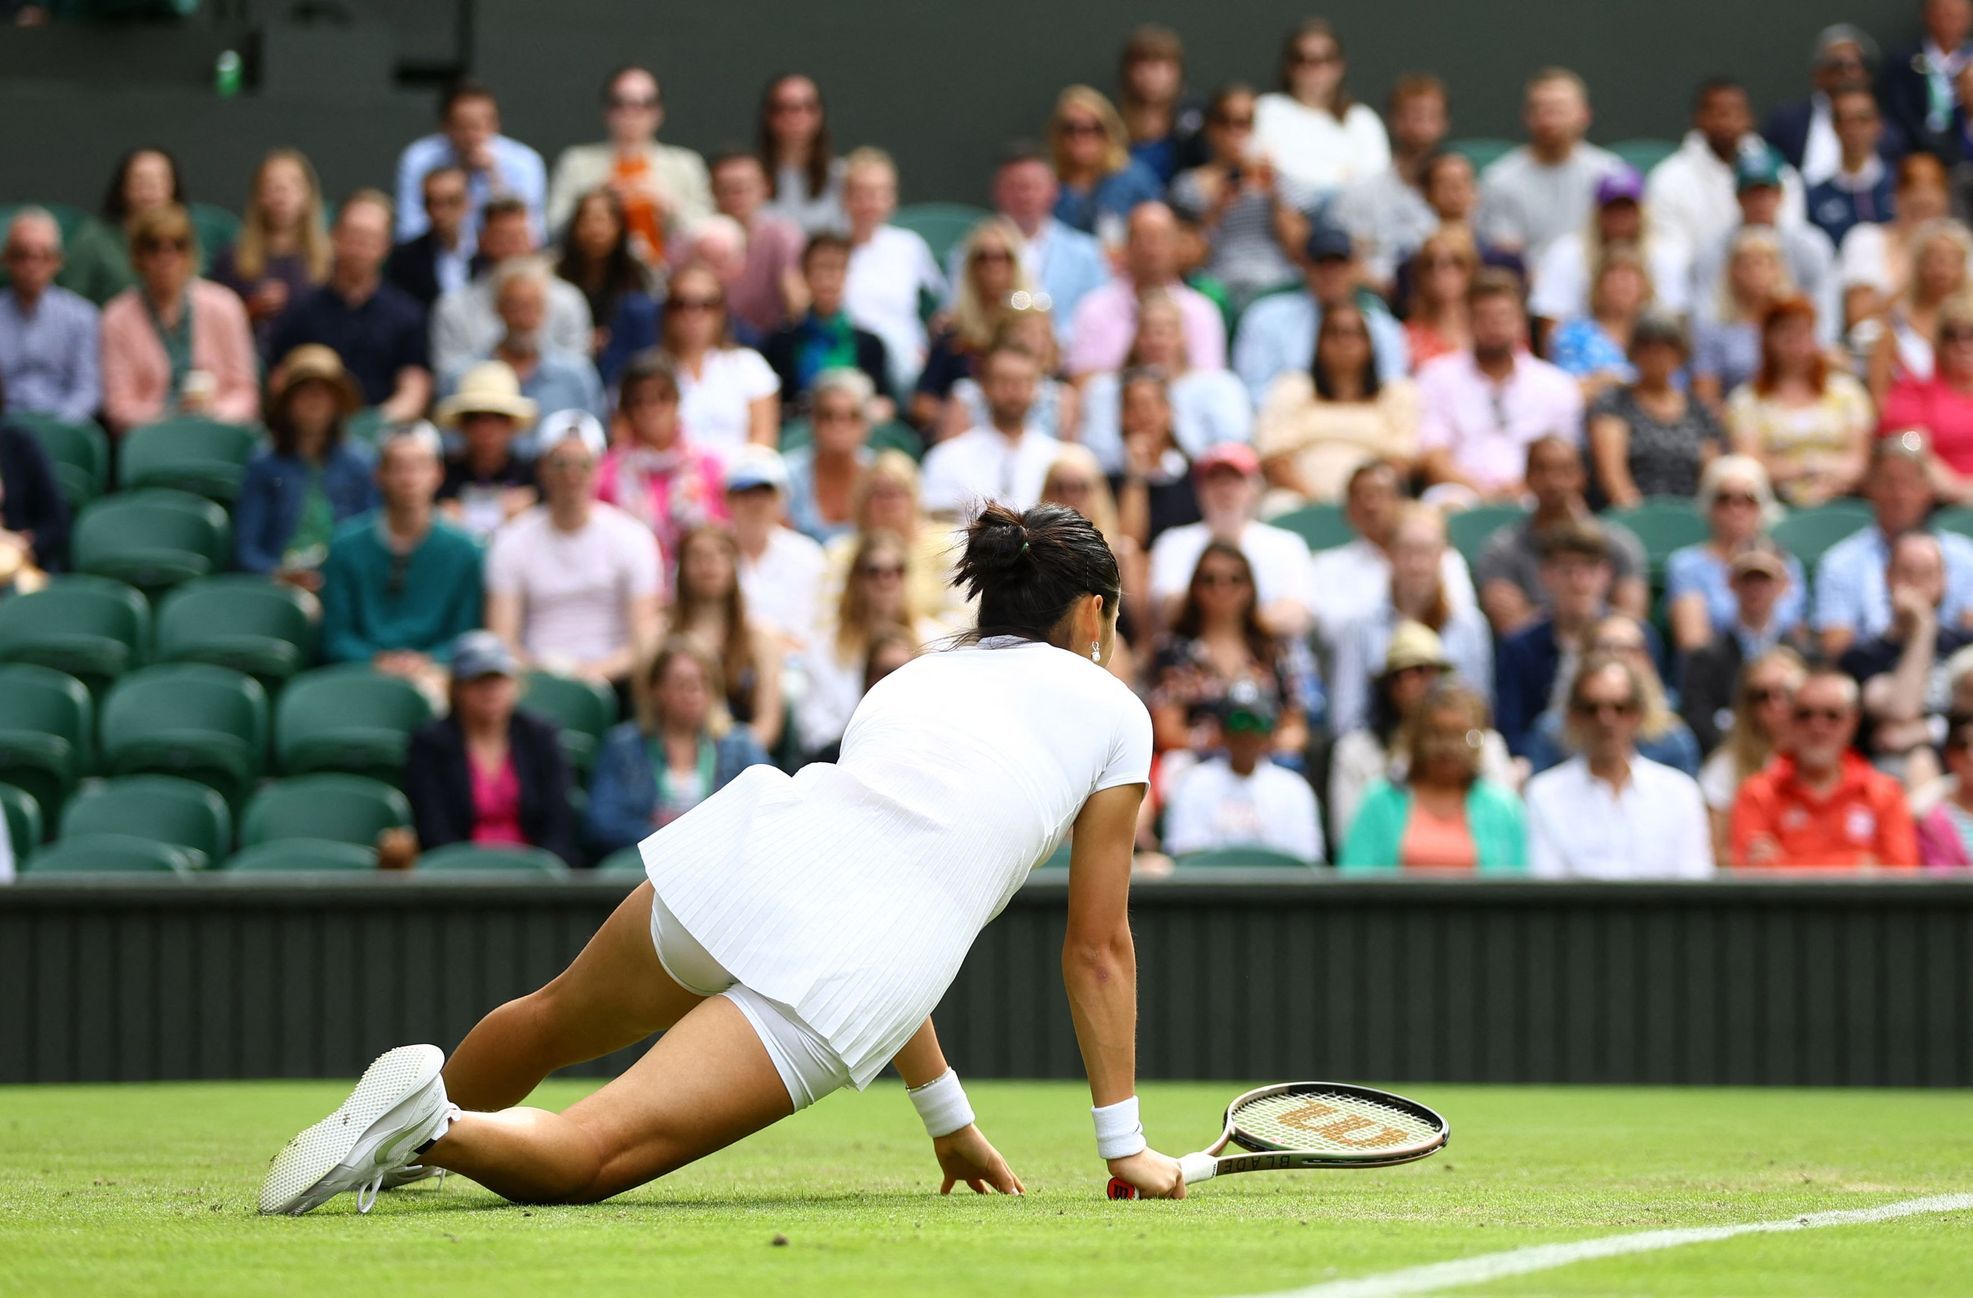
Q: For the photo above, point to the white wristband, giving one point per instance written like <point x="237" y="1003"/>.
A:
<point x="941" y="1103"/>
<point x="1118" y="1132"/>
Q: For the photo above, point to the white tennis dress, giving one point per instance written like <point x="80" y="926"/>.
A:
<point x="850" y="892"/>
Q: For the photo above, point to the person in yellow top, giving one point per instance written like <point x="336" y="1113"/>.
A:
<point x="1316" y="425"/>
<point x="1808" y="423"/>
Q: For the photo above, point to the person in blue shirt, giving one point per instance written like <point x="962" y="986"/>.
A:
<point x="1277" y="333"/>
<point x="1063" y="262"/>
<point x="496" y="166"/>
<point x="50" y="338"/>
<point x="1100" y="181"/>
<point x="298" y="490"/>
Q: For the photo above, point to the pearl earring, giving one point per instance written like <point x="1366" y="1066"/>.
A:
<point x="1095" y="651"/>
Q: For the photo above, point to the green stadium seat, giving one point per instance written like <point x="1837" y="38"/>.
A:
<point x="1242" y="858"/>
<point x="215" y="227"/>
<point x="1958" y="520"/>
<point x="1059" y="858"/>
<point x="471" y="858"/>
<point x="1321" y="527"/>
<point x="107" y="854"/>
<point x="1663" y="524"/>
<point x="583" y="710"/>
<point x="153" y="540"/>
<point x="239" y="620"/>
<point x="92" y="628"/>
<point x="1471" y="529"/>
<point x="627" y="860"/>
<point x="339" y="808"/>
<point x="203" y="723"/>
<point x="347" y="719"/>
<point x="80" y="453"/>
<point x="1482" y="152"/>
<point x="20" y="820"/>
<point x="304" y="856"/>
<point x="1644" y="154"/>
<point x="1808" y="533"/>
<point x="366" y="427"/>
<point x="202" y="456"/>
<point x="942" y="225"/>
<point x="47" y="726"/>
<point x="162" y="808"/>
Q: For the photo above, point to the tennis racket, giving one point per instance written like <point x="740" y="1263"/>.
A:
<point x="1298" y="1125"/>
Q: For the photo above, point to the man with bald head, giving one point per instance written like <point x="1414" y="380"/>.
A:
<point x="48" y="335"/>
<point x="1106" y="321"/>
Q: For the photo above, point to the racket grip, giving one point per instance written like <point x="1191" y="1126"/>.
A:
<point x="1193" y="1167"/>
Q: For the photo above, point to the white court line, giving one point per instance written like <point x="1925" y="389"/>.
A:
<point x="1544" y="1257"/>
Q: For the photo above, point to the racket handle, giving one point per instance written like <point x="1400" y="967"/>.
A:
<point x="1193" y="1167"/>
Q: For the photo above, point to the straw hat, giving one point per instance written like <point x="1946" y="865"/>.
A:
<point x="315" y="363"/>
<point x="1413" y="644"/>
<point x="489" y="388"/>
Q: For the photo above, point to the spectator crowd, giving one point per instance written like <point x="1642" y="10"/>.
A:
<point x="1383" y="431"/>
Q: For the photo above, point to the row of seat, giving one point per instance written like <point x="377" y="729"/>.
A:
<point x="128" y="854"/>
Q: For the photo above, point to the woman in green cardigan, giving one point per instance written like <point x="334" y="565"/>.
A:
<point x="1443" y="816"/>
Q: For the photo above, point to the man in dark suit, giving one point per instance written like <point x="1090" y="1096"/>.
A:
<point x="440" y="259"/>
<point x="1712" y="673"/>
<point x="1916" y="86"/>
<point x="1803" y="130"/>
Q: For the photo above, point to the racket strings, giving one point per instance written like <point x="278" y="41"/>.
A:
<point x="1327" y="1122"/>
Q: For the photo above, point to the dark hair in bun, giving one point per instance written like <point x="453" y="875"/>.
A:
<point x="1028" y="569"/>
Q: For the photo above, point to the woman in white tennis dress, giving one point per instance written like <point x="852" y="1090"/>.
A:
<point x="795" y="932"/>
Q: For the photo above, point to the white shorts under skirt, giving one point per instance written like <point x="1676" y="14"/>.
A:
<point x="809" y="1068"/>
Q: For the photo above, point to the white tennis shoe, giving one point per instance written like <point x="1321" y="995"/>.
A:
<point x="397" y="1109"/>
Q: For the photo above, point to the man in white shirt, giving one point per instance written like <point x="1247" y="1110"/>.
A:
<point x="1004" y="460"/>
<point x="781" y="571"/>
<point x="1691" y="195"/>
<point x="890" y="268"/>
<point x="1610" y="813"/>
<point x="662" y="187"/>
<point x="1355" y="579"/>
<point x="1242" y="799"/>
<point x="1542" y="189"/>
<point x="465" y="324"/>
<point x="1229" y="486"/>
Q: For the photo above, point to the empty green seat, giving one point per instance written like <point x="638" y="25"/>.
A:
<point x="162" y="808"/>
<point x="942" y="225"/>
<point x="92" y="628"/>
<point x="347" y="719"/>
<point x="1321" y="527"/>
<point x="1958" y="519"/>
<point x="1662" y="524"/>
<point x="214" y="226"/>
<point x="189" y="453"/>
<point x="471" y="858"/>
<point x="625" y="860"/>
<point x="583" y="710"/>
<point x="203" y="723"/>
<point x="152" y="539"/>
<point x="20" y="821"/>
<point x="1808" y="533"/>
<point x="238" y="620"/>
<point x="1471" y="529"/>
<point x="80" y="453"/>
<point x="47" y="728"/>
<point x="1644" y="154"/>
<point x="304" y="855"/>
<point x="107" y="854"/>
<point x="1242" y="858"/>
<point x="341" y="808"/>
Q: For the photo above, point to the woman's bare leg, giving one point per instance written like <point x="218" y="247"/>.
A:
<point x="614" y="994"/>
<point x="706" y="1083"/>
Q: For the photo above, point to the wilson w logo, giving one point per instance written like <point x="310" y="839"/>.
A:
<point x="1348" y="1129"/>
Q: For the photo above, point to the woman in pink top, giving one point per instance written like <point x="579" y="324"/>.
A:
<point x="1942" y="405"/>
<point x="652" y="472"/>
<point x="175" y="344"/>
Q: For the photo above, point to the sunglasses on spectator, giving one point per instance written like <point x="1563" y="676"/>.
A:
<point x="446" y="198"/>
<point x="165" y="245"/>
<point x="1736" y="498"/>
<point x="696" y="303"/>
<point x="1620" y="708"/>
<point x="1359" y="333"/>
<point x="1765" y="695"/>
<point x="658" y="398"/>
<point x="825" y="415"/>
<point x="992" y="254"/>
<point x="1081" y="128"/>
<point x="1073" y="486"/>
<point x="570" y="463"/>
<point x="1221" y="579"/>
<point x="1831" y="715"/>
<point x="1305" y="58"/>
<point x="633" y="101"/>
<point x="31" y="254"/>
<point x="1616" y="647"/>
<point x="881" y="570"/>
<point x="1442" y="261"/>
<point x="1955" y="334"/>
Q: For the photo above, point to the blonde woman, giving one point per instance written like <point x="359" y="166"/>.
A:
<point x="1738" y="506"/>
<point x="709" y="605"/>
<point x="1100" y="181"/>
<point x="1939" y="254"/>
<point x="887" y="500"/>
<point x="1076" y="480"/>
<point x="283" y="248"/>
<point x="1726" y="347"/>
<point x="991" y="281"/>
<point x="1761" y="707"/>
<point x="875" y="597"/>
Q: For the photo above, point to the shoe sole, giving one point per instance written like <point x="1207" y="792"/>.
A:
<point x="304" y="1174"/>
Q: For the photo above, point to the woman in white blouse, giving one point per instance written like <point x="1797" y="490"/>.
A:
<point x="727" y="396"/>
<point x="1311" y="129"/>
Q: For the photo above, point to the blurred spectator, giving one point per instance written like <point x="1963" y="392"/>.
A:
<point x="1940" y="253"/>
<point x="552" y="378"/>
<point x="1852" y="601"/>
<point x="1278" y="334"/>
<point x="887" y="500"/>
<point x="1057" y="408"/>
<point x="1612" y="812"/>
<point x="1218" y="642"/>
<point x="487" y="481"/>
<point x="598" y="259"/>
<point x="375" y="328"/>
<point x="1317" y="425"/>
<point x="1806" y="131"/>
<point x="1237" y="798"/>
<point x="1161" y="119"/>
<point x="1206" y="407"/>
<point x="710" y="605"/>
<point x="1576" y="574"/>
<point x="1565" y="275"/>
<point x="1106" y="321"/>
<point x="1877" y="260"/>
<point x="1763" y="698"/>
<point x="1945" y="834"/>
<point x="1859" y="188"/>
<point x="1692" y="194"/>
<point x="1819" y="804"/>
<point x="1443" y="812"/>
<point x="1543" y="189"/>
<point x="1594" y="348"/>
<point x="720" y="245"/>
<point x="1806" y="251"/>
<point x="1482" y="409"/>
<point x="283" y="248"/>
<point x="1354" y="578"/>
<point x="1002" y="460"/>
<point x="465" y="325"/>
<point x="1312" y="128"/>
<point x="989" y="276"/>
<point x="728" y="395"/>
<point x="1228" y="482"/>
<point x="768" y="292"/>
<point x="1902" y="672"/>
<point x="1076" y="480"/>
<point x="440" y="260"/>
<point x="308" y="481"/>
<point x="34" y="515"/>
<point x="795" y="150"/>
<point x="400" y="585"/>
<point x="1660" y="735"/>
<point x="1916" y="86"/>
<point x="1763" y="582"/>
<point x="1436" y="320"/>
<point x="1100" y="182"/>
<point x="680" y="750"/>
<point x="875" y="598"/>
<point x="781" y="570"/>
<point x="891" y="269"/>
<point x="1065" y="263"/>
<point x="1513" y="590"/>
<point x="1386" y="213"/>
<point x="823" y="337"/>
<point x="655" y="472"/>
<point x="1808" y="423"/>
<point x="1726" y="343"/>
<point x="1416" y="595"/>
<point x="469" y="138"/>
<point x="1702" y="597"/>
<point x="825" y="475"/>
<point x="489" y="772"/>
<point x="98" y="262"/>
<point x="573" y="585"/>
<point x="50" y="337"/>
<point x="1941" y="406"/>
<point x="1648" y="437"/>
<point x="1251" y="215"/>
<point x="175" y="344"/>
<point x="660" y="188"/>
<point x="1153" y="487"/>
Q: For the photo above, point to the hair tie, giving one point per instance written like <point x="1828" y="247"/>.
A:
<point x="1024" y="547"/>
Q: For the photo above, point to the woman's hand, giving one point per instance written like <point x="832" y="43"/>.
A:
<point x="1153" y="1174"/>
<point x="966" y="1156"/>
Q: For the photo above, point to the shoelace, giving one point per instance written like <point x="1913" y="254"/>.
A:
<point x="366" y="1195"/>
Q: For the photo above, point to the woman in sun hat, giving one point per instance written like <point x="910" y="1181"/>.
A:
<point x="310" y="478"/>
<point x="487" y="481"/>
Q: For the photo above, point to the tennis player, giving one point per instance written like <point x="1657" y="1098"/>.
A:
<point x="795" y="932"/>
